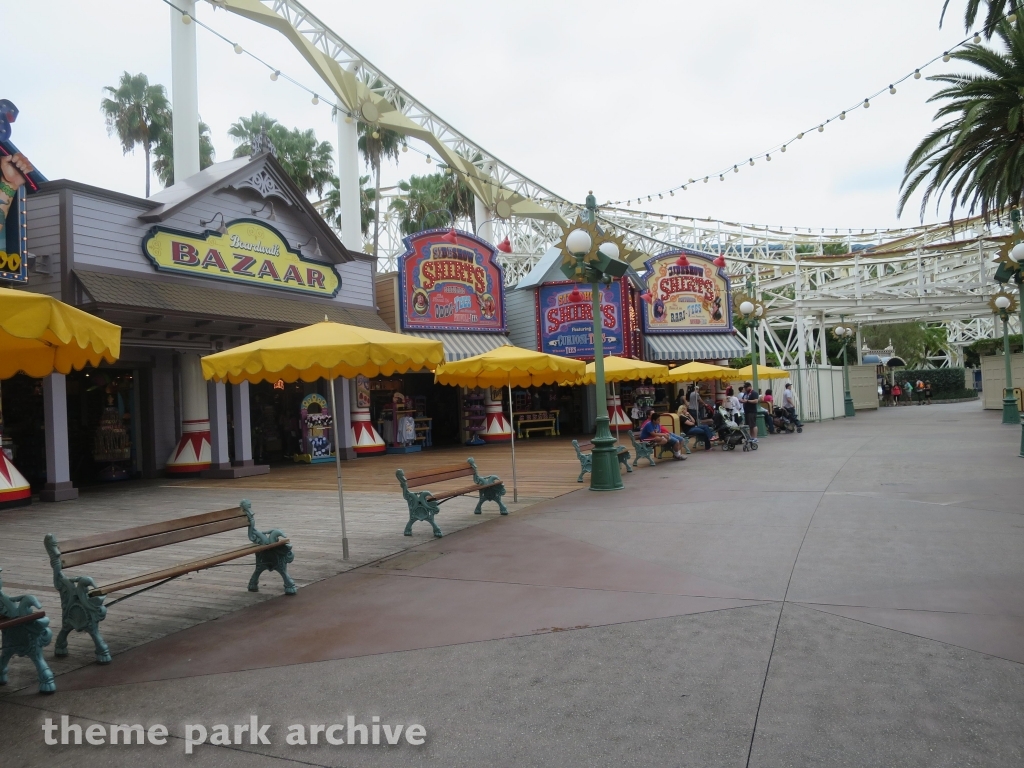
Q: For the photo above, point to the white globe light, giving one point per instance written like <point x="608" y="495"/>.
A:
<point x="746" y="308"/>
<point x="238" y="48"/>
<point x="1002" y="302"/>
<point x="611" y="250"/>
<point x="840" y="331"/>
<point x="1017" y="252"/>
<point x="759" y="310"/>
<point x="578" y="242"/>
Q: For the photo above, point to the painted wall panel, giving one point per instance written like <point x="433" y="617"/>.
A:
<point x="43" y="215"/>
<point x="521" y="316"/>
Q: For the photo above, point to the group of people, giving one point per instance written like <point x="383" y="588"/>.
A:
<point x="696" y="415"/>
<point x="891" y="394"/>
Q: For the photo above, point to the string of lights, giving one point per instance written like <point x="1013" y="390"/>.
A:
<point x="476" y="174"/>
<point x="781" y="147"/>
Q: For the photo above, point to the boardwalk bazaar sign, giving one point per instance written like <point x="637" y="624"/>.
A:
<point x="248" y="252"/>
<point x="566" y="324"/>
<point x="686" y="298"/>
<point x="450" y="286"/>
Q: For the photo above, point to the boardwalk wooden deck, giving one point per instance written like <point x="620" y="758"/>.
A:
<point x="300" y="499"/>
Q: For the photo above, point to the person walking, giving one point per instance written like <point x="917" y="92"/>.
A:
<point x="886" y="393"/>
<point x="693" y="404"/>
<point x="896" y="392"/>
<point x="927" y="393"/>
<point x="919" y="391"/>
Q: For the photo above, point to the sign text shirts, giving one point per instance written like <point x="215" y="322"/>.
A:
<point x="692" y="298"/>
<point x="566" y="321"/>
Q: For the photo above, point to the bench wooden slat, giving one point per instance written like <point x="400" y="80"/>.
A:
<point x="126" y="534"/>
<point x="129" y="546"/>
<point x="17" y="621"/>
<point x="183" y="568"/>
<point x="463" y="467"/>
<point x="444" y="495"/>
<point x="438" y="477"/>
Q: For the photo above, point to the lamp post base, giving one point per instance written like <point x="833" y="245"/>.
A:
<point x="605" y="475"/>
<point x="848" y="405"/>
<point x="1010" y="413"/>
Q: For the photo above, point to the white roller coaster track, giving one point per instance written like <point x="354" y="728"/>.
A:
<point x="939" y="274"/>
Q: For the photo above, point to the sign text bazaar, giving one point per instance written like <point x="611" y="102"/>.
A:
<point x="686" y="298"/>
<point x="450" y="286"/>
<point x="566" y="322"/>
<point x="248" y="252"/>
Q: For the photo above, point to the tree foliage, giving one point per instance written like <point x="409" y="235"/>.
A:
<point x="426" y="201"/>
<point x="332" y="207"/>
<point x="995" y="11"/>
<point x="915" y="343"/>
<point x="163" y="153"/>
<point x="377" y="144"/>
<point x="308" y="162"/>
<point x="977" y="155"/>
<point x="138" y="113"/>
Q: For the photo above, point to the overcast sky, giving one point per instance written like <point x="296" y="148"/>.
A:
<point x="622" y="98"/>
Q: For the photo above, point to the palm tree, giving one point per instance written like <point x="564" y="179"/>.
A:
<point x="458" y="197"/>
<point x="977" y="155"/>
<point x="422" y="203"/>
<point x="163" y="154"/>
<point x="331" y="210"/>
<point x="997" y="10"/>
<point x="307" y="161"/>
<point x="376" y="144"/>
<point x="138" y="112"/>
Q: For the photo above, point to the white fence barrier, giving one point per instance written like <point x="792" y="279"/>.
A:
<point x="819" y="391"/>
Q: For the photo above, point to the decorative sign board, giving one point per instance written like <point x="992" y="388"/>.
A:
<point x="450" y="286"/>
<point x="249" y="252"/>
<point x="565" y="326"/>
<point x="694" y="298"/>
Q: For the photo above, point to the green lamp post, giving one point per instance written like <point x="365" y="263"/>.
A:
<point x="752" y="311"/>
<point x="591" y="255"/>
<point x="844" y="334"/>
<point x="1003" y="305"/>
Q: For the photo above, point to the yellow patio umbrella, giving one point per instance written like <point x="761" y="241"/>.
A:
<point x="40" y="335"/>
<point x="697" y="371"/>
<point x="511" y="366"/>
<point x="325" y="350"/>
<point x="763" y="372"/>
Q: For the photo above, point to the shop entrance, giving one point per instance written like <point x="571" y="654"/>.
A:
<point x="23" y="427"/>
<point x="274" y="414"/>
<point x="104" y="434"/>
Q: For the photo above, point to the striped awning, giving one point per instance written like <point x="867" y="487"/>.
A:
<point x="459" y="346"/>
<point x="694" y="346"/>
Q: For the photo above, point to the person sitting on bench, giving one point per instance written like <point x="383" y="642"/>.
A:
<point x="691" y="428"/>
<point x="652" y="431"/>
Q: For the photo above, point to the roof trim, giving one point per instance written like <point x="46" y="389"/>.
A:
<point x="89" y="189"/>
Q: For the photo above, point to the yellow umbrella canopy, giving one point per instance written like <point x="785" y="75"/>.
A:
<point x="625" y="369"/>
<point x="324" y="351"/>
<point x="40" y="335"/>
<point x="697" y="371"/>
<point x="511" y="366"/>
<point x="763" y="372"/>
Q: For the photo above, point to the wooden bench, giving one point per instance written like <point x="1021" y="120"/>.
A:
<point x="527" y="422"/>
<point x="585" y="453"/>
<point x="81" y="600"/>
<point x="25" y="631"/>
<point x="423" y="505"/>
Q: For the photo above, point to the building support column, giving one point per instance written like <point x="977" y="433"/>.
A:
<point x="55" y="416"/>
<point x="221" y="467"/>
<point x="192" y="453"/>
<point x="348" y="184"/>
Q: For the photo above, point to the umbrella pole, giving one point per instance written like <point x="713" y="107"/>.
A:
<point x="512" y="424"/>
<point x="616" y="413"/>
<point x="337" y="463"/>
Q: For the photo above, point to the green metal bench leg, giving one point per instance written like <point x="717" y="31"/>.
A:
<point x="79" y="611"/>
<point x="275" y="559"/>
<point x="624" y="460"/>
<point x="25" y="639"/>
<point x="492" y="494"/>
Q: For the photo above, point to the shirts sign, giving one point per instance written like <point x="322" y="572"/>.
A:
<point x="686" y="298"/>
<point x="566" y="321"/>
<point x="248" y="252"/>
<point x="452" y="284"/>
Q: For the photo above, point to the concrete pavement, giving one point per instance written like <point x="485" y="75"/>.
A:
<point x="850" y="596"/>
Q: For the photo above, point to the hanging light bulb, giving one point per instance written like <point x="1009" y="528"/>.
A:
<point x="783" y="148"/>
<point x="821" y="128"/>
<point x="428" y="159"/>
<point x="867" y="104"/>
<point x="721" y="177"/>
<point x="648" y="198"/>
<point x="348" y="119"/>
<point x="315" y="99"/>
<point x="673" y="194"/>
<point x="977" y="38"/>
<point x="751" y="161"/>
<point x="275" y="74"/>
<point x="917" y="74"/>
<point x="689" y="181"/>
<point x="628" y="203"/>
<point x="735" y="169"/>
<point x="660" y="196"/>
<point x="800" y="135"/>
<point x="945" y="56"/>
<point x="238" y="48"/>
<point x="1011" y="18"/>
<point x="892" y="89"/>
<point x="768" y="158"/>
<point x="405" y="148"/>
<point x="842" y="115"/>
<point x="705" y="179"/>
<point x="186" y="19"/>
<point x="375" y="134"/>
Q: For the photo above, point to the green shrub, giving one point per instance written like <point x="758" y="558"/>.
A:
<point x="947" y="383"/>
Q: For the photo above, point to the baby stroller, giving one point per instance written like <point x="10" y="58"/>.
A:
<point x="730" y="434"/>
<point x="791" y="415"/>
<point x="784" y="423"/>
